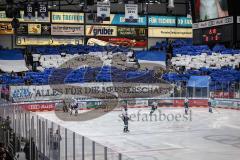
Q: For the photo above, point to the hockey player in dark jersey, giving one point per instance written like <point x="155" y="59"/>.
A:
<point x="186" y="105"/>
<point x="154" y="107"/>
<point x="210" y="101"/>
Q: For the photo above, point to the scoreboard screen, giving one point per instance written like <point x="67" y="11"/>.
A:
<point x="217" y="34"/>
<point x="212" y="35"/>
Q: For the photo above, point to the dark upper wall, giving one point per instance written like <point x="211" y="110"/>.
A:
<point x="180" y="6"/>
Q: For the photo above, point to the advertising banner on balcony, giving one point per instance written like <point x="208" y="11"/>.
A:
<point x="161" y="32"/>
<point x="67" y="30"/>
<point x="227" y="103"/>
<point x="38" y="107"/>
<point x="115" y="19"/>
<point x="34" y="29"/>
<point x="46" y="29"/>
<point x="22" y="29"/>
<point x="6" y="28"/>
<point x="33" y="93"/>
<point x="132" y="32"/>
<point x="130" y="42"/>
<point x="162" y="21"/>
<point x="25" y="41"/>
<point x="184" y="22"/>
<point x="119" y="19"/>
<point x="131" y="13"/>
<point x="103" y="11"/>
<point x="97" y="30"/>
<point x="67" y="17"/>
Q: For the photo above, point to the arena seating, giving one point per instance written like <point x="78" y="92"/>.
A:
<point x="53" y="57"/>
<point x="218" y="63"/>
<point x="221" y="79"/>
<point x="80" y="75"/>
<point x="215" y="60"/>
<point x="12" y="60"/>
<point x="153" y="57"/>
<point x="175" y="44"/>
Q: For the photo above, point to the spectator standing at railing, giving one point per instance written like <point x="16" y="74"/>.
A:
<point x="56" y="140"/>
<point x="65" y="108"/>
<point x="27" y="151"/>
<point x="4" y="153"/>
<point x="169" y="53"/>
<point x="7" y="123"/>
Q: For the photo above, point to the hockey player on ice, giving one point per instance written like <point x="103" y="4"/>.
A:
<point x="186" y="105"/>
<point x="125" y="119"/>
<point x="154" y="107"/>
<point x="74" y="106"/>
<point x="210" y="104"/>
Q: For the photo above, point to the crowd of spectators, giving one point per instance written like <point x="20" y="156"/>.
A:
<point x="5" y="153"/>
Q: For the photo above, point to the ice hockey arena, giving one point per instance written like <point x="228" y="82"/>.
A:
<point x="119" y="80"/>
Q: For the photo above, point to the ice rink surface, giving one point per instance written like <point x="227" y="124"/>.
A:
<point x="203" y="136"/>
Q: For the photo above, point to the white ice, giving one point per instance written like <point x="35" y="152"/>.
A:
<point x="206" y="137"/>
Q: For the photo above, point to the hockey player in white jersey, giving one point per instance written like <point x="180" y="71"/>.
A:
<point x="154" y="107"/>
<point x="74" y="106"/>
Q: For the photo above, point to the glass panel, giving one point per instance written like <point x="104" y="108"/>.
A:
<point x="59" y="140"/>
<point x="88" y="154"/>
<point x="112" y="155"/>
<point x="50" y="139"/>
<point x="70" y="147"/>
<point x="55" y="142"/>
<point x="78" y="148"/>
<point x="126" y="158"/>
<point x="99" y="152"/>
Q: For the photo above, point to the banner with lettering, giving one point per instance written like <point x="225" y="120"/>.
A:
<point x="67" y="17"/>
<point x="67" y="30"/>
<point x="33" y="93"/>
<point x="184" y="22"/>
<point x="103" y="11"/>
<point x="167" y="21"/>
<point x="38" y="41"/>
<point x="130" y="42"/>
<point x="97" y="30"/>
<point x="166" y="32"/>
<point x="131" y="13"/>
<point x="6" y="28"/>
<point x="119" y="19"/>
<point x="132" y="32"/>
<point x="38" y="107"/>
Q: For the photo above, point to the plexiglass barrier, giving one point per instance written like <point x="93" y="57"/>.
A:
<point x="48" y="140"/>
